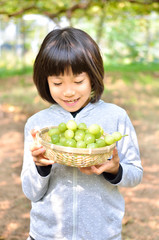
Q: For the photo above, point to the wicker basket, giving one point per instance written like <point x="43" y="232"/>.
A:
<point x="74" y="157"/>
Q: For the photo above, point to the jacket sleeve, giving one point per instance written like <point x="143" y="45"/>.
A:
<point x="129" y="155"/>
<point x="33" y="184"/>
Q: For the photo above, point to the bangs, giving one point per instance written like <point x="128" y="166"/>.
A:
<point x="62" y="56"/>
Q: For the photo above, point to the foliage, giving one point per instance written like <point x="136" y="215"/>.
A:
<point x="126" y="31"/>
<point x="76" y="8"/>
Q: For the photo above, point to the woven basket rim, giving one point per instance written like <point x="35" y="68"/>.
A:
<point x="72" y="150"/>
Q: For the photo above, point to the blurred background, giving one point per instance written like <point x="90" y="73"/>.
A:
<point x="127" y="33"/>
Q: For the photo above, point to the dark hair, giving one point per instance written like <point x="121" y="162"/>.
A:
<point x="67" y="48"/>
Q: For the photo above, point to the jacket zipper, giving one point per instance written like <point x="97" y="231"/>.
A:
<point x="74" y="237"/>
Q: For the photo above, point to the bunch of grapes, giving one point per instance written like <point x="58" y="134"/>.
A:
<point x="80" y="136"/>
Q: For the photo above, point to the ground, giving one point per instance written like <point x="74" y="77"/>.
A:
<point x="142" y="202"/>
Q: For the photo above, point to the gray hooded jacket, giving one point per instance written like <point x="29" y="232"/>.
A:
<point x="70" y="205"/>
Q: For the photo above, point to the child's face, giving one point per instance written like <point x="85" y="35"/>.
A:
<point x="71" y="92"/>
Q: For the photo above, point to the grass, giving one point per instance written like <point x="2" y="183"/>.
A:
<point x="132" y="67"/>
<point x="117" y="68"/>
<point x="135" y="72"/>
<point x="5" y="72"/>
<point x="131" y="77"/>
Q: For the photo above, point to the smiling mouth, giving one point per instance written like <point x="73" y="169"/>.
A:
<point x="71" y="101"/>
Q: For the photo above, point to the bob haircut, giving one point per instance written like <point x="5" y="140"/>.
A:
<point x="65" y="49"/>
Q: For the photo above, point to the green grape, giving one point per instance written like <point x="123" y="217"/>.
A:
<point x="98" y="135"/>
<point x="79" y="135"/>
<point x="71" y="143"/>
<point x="62" y="134"/>
<point x="53" y="131"/>
<point x="86" y="131"/>
<point x="82" y="126"/>
<point x="62" y="127"/>
<point x="100" y="142"/>
<point x="81" y="144"/>
<point x="89" y="138"/>
<point x="63" y="141"/>
<point x="55" y="138"/>
<point x="72" y="125"/>
<point x="92" y="145"/>
<point x="69" y="134"/>
<point x="94" y="129"/>
<point x="72" y="135"/>
<point x="117" y="136"/>
<point x="109" y="140"/>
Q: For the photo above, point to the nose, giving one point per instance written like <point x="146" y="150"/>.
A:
<point x="68" y="92"/>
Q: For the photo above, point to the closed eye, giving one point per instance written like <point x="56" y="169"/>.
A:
<point x="79" y="82"/>
<point x="57" y="84"/>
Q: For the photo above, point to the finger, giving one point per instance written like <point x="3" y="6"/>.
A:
<point x="43" y="162"/>
<point x="38" y="151"/>
<point x="98" y="169"/>
<point x="115" y="155"/>
<point x="115" y="152"/>
<point x="86" y="170"/>
<point x="35" y="146"/>
<point x="33" y="133"/>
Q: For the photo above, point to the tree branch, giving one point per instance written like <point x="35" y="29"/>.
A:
<point x="67" y="11"/>
<point x="22" y="11"/>
<point x="70" y="10"/>
<point x="144" y="2"/>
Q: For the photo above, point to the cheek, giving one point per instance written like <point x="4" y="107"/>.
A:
<point x="54" y="92"/>
<point x="87" y="89"/>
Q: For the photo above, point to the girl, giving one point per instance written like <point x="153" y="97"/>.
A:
<point x="70" y="203"/>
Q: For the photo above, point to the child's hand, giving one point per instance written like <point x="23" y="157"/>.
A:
<point x="37" y="152"/>
<point x="111" y="166"/>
